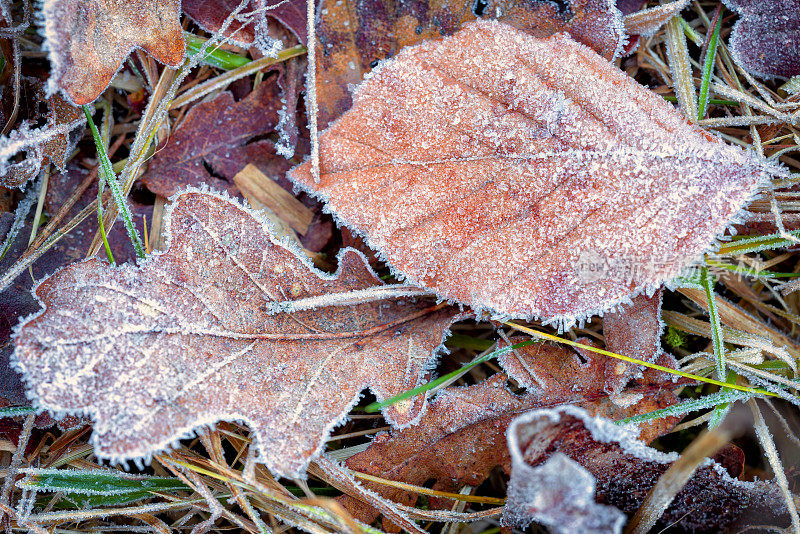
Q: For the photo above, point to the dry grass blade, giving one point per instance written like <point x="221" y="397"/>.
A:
<point x="673" y="480"/>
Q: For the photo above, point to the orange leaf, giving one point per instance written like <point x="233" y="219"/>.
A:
<point x="186" y="339"/>
<point x="354" y="36"/>
<point x="89" y="39"/>
<point x="527" y="176"/>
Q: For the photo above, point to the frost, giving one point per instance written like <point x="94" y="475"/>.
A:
<point x="625" y="469"/>
<point x="459" y="439"/>
<point x="766" y="39"/>
<point x="558" y="494"/>
<point x="88" y="40"/>
<point x="51" y="143"/>
<point x="284" y="146"/>
<point x="486" y="165"/>
<point x="187" y="339"/>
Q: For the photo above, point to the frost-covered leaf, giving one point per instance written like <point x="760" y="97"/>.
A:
<point x="625" y="469"/>
<point x="558" y="375"/>
<point x="526" y="176"/>
<point x="215" y="141"/>
<point x="187" y="338"/>
<point x="558" y="494"/>
<point x="210" y="15"/>
<point x="633" y="331"/>
<point x="766" y="39"/>
<point x="89" y="39"/>
<point x="353" y="37"/>
<point x="459" y="439"/>
<point x="34" y="146"/>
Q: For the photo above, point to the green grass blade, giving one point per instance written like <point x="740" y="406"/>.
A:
<point x="98" y="487"/>
<point x="14" y="411"/>
<point x="716" y="328"/>
<point x="377" y="406"/>
<point x="215" y="57"/>
<point x="708" y="65"/>
<point x="693" y="405"/>
<point x="111" y="180"/>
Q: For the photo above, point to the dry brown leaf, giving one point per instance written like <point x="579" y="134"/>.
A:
<point x="527" y="176"/>
<point x="766" y="39"/>
<point x="185" y="339"/>
<point x="634" y="332"/>
<point x="52" y="142"/>
<point x="216" y="140"/>
<point x="354" y="36"/>
<point x="89" y="39"/>
<point x="459" y="440"/>
<point x="623" y="469"/>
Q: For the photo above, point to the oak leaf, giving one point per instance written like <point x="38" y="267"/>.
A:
<point x="89" y="39"/>
<point x="216" y="140"/>
<point x="526" y="176"/>
<point x="766" y="38"/>
<point x="459" y="439"/>
<point x="353" y="37"/>
<point x="187" y="338"/>
<point x="624" y="469"/>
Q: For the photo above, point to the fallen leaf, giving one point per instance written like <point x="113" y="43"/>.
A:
<point x="624" y="469"/>
<point x="527" y="176"/>
<point x="459" y="439"/>
<point x="51" y="142"/>
<point x="186" y="338"/>
<point x="210" y="15"/>
<point x="635" y="332"/>
<point x="355" y="36"/>
<point x="558" y="494"/>
<point x="89" y="39"/>
<point x="17" y="301"/>
<point x="216" y="140"/>
<point x="766" y="39"/>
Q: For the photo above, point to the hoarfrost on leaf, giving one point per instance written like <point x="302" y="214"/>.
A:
<point x="558" y="494"/>
<point x="187" y="339"/>
<point x="459" y="440"/>
<point x="89" y="39"/>
<point x="625" y="470"/>
<point x="527" y="176"/>
<point x="50" y="143"/>
<point x="766" y="39"/>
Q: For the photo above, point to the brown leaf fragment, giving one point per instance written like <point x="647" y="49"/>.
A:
<point x="766" y="39"/>
<point x="353" y="37"/>
<point x="52" y="142"/>
<point x="624" y="469"/>
<point x="458" y="440"/>
<point x="210" y="14"/>
<point x="89" y="39"/>
<point x="215" y="141"/>
<point x="635" y="332"/>
<point x="486" y="167"/>
<point x="185" y="339"/>
<point x="558" y="375"/>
